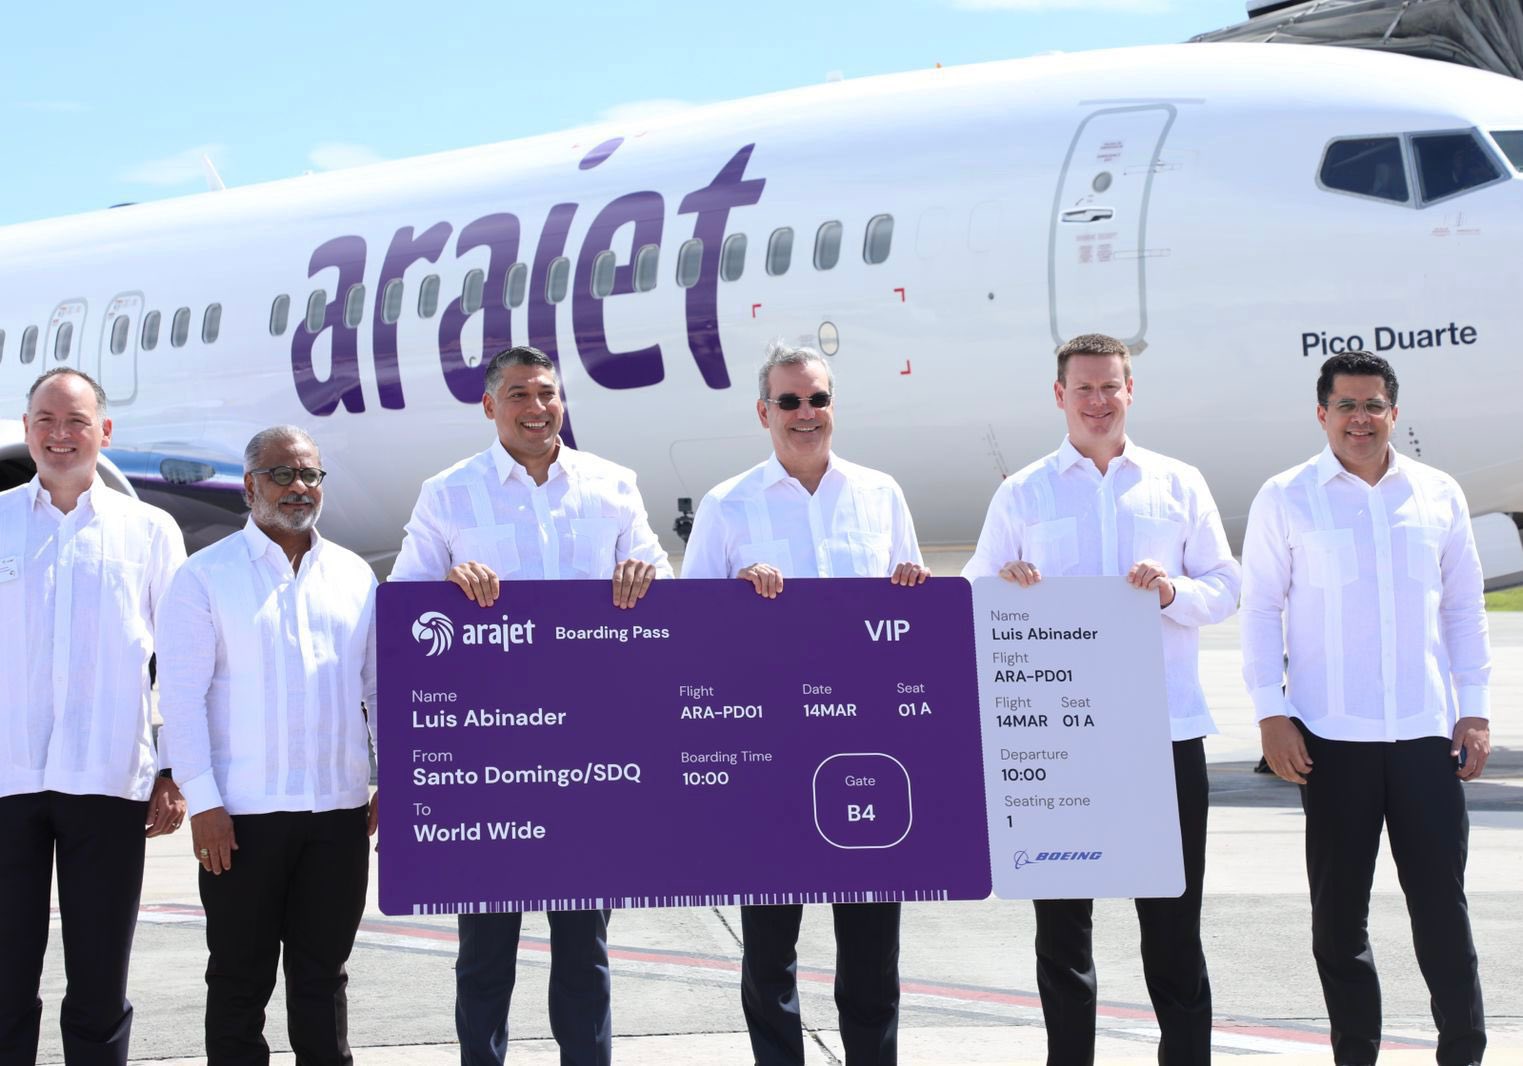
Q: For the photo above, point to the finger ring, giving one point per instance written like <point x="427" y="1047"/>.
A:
<point x="205" y="853"/>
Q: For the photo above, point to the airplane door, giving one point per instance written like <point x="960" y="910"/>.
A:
<point x="118" y="347"/>
<point x="65" y="342"/>
<point x="1097" y="265"/>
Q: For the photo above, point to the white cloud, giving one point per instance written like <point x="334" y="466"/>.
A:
<point x="177" y="169"/>
<point x="1129" y="7"/>
<point x="339" y="155"/>
<point x="53" y="107"/>
<point x="640" y="110"/>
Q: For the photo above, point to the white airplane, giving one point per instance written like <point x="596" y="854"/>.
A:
<point x="1234" y="212"/>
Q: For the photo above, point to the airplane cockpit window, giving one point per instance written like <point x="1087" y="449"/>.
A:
<point x="1451" y="163"/>
<point x="179" y="328"/>
<point x="827" y="246"/>
<point x="602" y="274"/>
<point x="354" y="306"/>
<point x="516" y="287"/>
<point x="689" y="262"/>
<point x="391" y="301"/>
<point x="472" y="291"/>
<point x="557" y="280"/>
<point x="211" y="324"/>
<point x="64" y="342"/>
<point x="732" y="257"/>
<point x="151" y="330"/>
<point x="1511" y="143"/>
<point x="119" y="331"/>
<point x="647" y="267"/>
<point x="1366" y="166"/>
<point x="28" y="344"/>
<point x="428" y="296"/>
<point x="317" y="310"/>
<point x="280" y="315"/>
<point x="880" y="235"/>
<point x="779" y="251"/>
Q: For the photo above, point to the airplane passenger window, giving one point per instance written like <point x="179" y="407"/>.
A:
<point x="471" y="291"/>
<point x="317" y="310"/>
<point x="1511" y="143"/>
<point x="558" y="279"/>
<point x="517" y="286"/>
<point x="779" y="251"/>
<point x="689" y="263"/>
<point x="428" y="296"/>
<point x="29" y="344"/>
<point x="1450" y="163"/>
<point x="179" y="328"/>
<point x="827" y="246"/>
<point x="2" y="345"/>
<point x="119" y="330"/>
<point x="1366" y="166"/>
<point x="647" y="263"/>
<point x="150" y="339"/>
<point x="280" y="314"/>
<point x="880" y="235"/>
<point x="211" y="324"/>
<point x="391" y="301"/>
<point x="602" y="274"/>
<point x="732" y="257"/>
<point x="354" y="306"/>
<point x="63" y="342"/>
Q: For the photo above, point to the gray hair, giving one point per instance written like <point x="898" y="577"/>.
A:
<point x="518" y="355"/>
<point x="781" y="353"/>
<point x="58" y="371"/>
<point x="266" y="437"/>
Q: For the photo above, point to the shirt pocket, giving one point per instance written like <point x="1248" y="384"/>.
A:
<point x="1158" y="539"/>
<point x="1425" y="549"/>
<point x="1053" y="547"/>
<point x="774" y="553"/>
<point x="493" y="546"/>
<point x="868" y="552"/>
<point x="592" y="545"/>
<point x="1328" y="557"/>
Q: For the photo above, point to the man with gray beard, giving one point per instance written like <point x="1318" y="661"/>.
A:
<point x="266" y="671"/>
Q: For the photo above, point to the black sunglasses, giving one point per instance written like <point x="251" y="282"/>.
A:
<point x="789" y="402"/>
<point x="310" y="476"/>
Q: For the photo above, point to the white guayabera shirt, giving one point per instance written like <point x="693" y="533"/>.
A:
<point x="1376" y="593"/>
<point x="1066" y="518"/>
<point x="78" y="594"/>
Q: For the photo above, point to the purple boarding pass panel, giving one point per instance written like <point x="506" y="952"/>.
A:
<point x="708" y="747"/>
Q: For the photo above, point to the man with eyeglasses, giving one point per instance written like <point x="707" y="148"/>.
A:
<point x="83" y="569"/>
<point x="267" y="688"/>
<point x="1361" y="565"/>
<point x="805" y="512"/>
<point x="531" y="508"/>
<point x="1102" y="506"/>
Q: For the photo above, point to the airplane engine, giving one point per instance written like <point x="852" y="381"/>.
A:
<point x="17" y="468"/>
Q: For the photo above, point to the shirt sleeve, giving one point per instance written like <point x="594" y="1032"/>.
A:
<point x="185" y="636"/>
<point x="1266" y="588"/>
<point x="706" y="556"/>
<point x="999" y="542"/>
<point x="164" y="560"/>
<point x="638" y="540"/>
<point x="1462" y="614"/>
<point x="425" y="554"/>
<point x="906" y="546"/>
<point x="1206" y="592"/>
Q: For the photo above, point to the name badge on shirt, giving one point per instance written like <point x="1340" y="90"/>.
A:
<point x="10" y="568"/>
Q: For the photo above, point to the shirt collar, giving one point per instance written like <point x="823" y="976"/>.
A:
<point x="509" y="467"/>
<point x="1068" y="455"/>
<point x="773" y="472"/>
<point x="1328" y="466"/>
<point x="35" y="492"/>
<point x="259" y="544"/>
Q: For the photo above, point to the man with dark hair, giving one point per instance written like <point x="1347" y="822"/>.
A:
<point x="528" y="507"/>
<point x="267" y="669"/>
<point x="1360" y="565"/>
<point x="1100" y="505"/>
<point x="83" y="570"/>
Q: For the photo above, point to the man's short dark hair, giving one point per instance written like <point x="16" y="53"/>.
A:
<point x="1355" y="364"/>
<point x="518" y="355"/>
<point x="59" y="371"/>
<point x="1093" y="344"/>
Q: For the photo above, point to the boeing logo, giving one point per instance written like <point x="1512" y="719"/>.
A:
<point x="1023" y="858"/>
<point x="436" y="629"/>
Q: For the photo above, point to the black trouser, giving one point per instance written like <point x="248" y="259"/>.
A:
<point x="98" y="841"/>
<point x="1173" y="963"/>
<point x="298" y="878"/>
<point x="581" y="1011"/>
<point x="1410" y="787"/>
<point x="867" y="982"/>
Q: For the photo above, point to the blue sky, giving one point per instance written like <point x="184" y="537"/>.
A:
<point x="108" y="103"/>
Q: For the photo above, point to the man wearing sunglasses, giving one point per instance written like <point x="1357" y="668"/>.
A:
<point x="1361" y="566"/>
<point x="267" y="688"/>
<point x="1102" y="506"/>
<point x="530" y="508"/>
<point x="807" y="513"/>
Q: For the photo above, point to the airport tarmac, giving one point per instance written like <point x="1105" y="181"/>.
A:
<point x="969" y="987"/>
